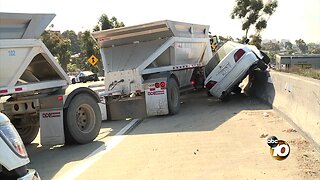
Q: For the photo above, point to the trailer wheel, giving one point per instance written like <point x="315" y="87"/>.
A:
<point x="28" y="128"/>
<point x="28" y="133"/>
<point x="173" y="96"/>
<point x="83" y="120"/>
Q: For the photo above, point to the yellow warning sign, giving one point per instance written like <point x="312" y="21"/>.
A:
<point x="93" y="60"/>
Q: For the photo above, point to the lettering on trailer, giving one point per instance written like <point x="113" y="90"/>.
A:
<point x="155" y="93"/>
<point x="51" y="114"/>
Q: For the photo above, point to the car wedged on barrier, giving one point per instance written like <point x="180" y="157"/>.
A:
<point x="230" y="65"/>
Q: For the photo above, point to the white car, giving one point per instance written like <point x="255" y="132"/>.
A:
<point x="85" y="76"/>
<point x="229" y="66"/>
<point x="13" y="155"/>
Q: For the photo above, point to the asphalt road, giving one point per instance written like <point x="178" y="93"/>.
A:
<point x="208" y="139"/>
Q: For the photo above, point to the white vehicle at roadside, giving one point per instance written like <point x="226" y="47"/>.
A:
<point x="229" y="66"/>
<point x="13" y="155"/>
<point x="84" y="76"/>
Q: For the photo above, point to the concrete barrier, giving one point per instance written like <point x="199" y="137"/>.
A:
<point x="296" y="97"/>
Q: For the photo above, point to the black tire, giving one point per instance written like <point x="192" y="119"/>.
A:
<point x="82" y="120"/>
<point x="73" y="81"/>
<point x="13" y="174"/>
<point x="173" y="96"/>
<point x="237" y="90"/>
<point x="265" y="58"/>
<point x="96" y="78"/>
<point x="28" y="134"/>
<point x="225" y="98"/>
<point x="261" y="65"/>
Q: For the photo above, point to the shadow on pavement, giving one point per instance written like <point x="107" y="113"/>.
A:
<point x="199" y="113"/>
<point x="48" y="161"/>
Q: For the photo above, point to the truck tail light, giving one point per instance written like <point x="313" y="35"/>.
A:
<point x="238" y="54"/>
<point x="10" y="135"/>
<point x="18" y="89"/>
<point x="60" y="98"/>
<point x="210" y="84"/>
<point x="3" y="91"/>
<point x="163" y="84"/>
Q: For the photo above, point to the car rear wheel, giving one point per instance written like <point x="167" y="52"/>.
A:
<point x="237" y="90"/>
<point x="225" y="98"/>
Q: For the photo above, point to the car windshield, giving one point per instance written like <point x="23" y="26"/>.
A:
<point x="218" y="56"/>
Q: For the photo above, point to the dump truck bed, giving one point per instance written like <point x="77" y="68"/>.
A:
<point x="134" y="47"/>
<point x="128" y="53"/>
<point x="25" y="62"/>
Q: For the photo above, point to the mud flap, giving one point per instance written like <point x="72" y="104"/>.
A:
<point x="51" y="123"/>
<point x="156" y="97"/>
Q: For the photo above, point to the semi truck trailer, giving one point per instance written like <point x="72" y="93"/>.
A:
<point x="34" y="89"/>
<point x="147" y="66"/>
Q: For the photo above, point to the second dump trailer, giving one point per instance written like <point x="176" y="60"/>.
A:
<point x="147" y="66"/>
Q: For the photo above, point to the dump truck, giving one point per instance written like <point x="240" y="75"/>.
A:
<point x="34" y="89"/>
<point x="147" y="66"/>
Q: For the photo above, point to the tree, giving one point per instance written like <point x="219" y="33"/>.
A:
<point x="89" y="48"/>
<point x="288" y="45"/>
<point x="256" y="40"/>
<point x="59" y="46"/>
<point x="313" y="48"/>
<point x="253" y="13"/>
<point x="75" y="42"/>
<point x="271" y="46"/>
<point x="105" y="23"/>
<point x="302" y="45"/>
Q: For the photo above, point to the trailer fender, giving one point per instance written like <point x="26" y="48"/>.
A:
<point x="78" y="91"/>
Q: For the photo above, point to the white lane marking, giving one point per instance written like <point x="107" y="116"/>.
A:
<point x="96" y="155"/>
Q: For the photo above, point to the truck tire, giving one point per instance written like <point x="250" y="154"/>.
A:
<point x="82" y="120"/>
<point x="28" y="133"/>
<point x="28" y="128"/>
<point x="173" y="96"/>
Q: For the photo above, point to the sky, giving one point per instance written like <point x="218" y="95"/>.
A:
<point x="292" y="20"/>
